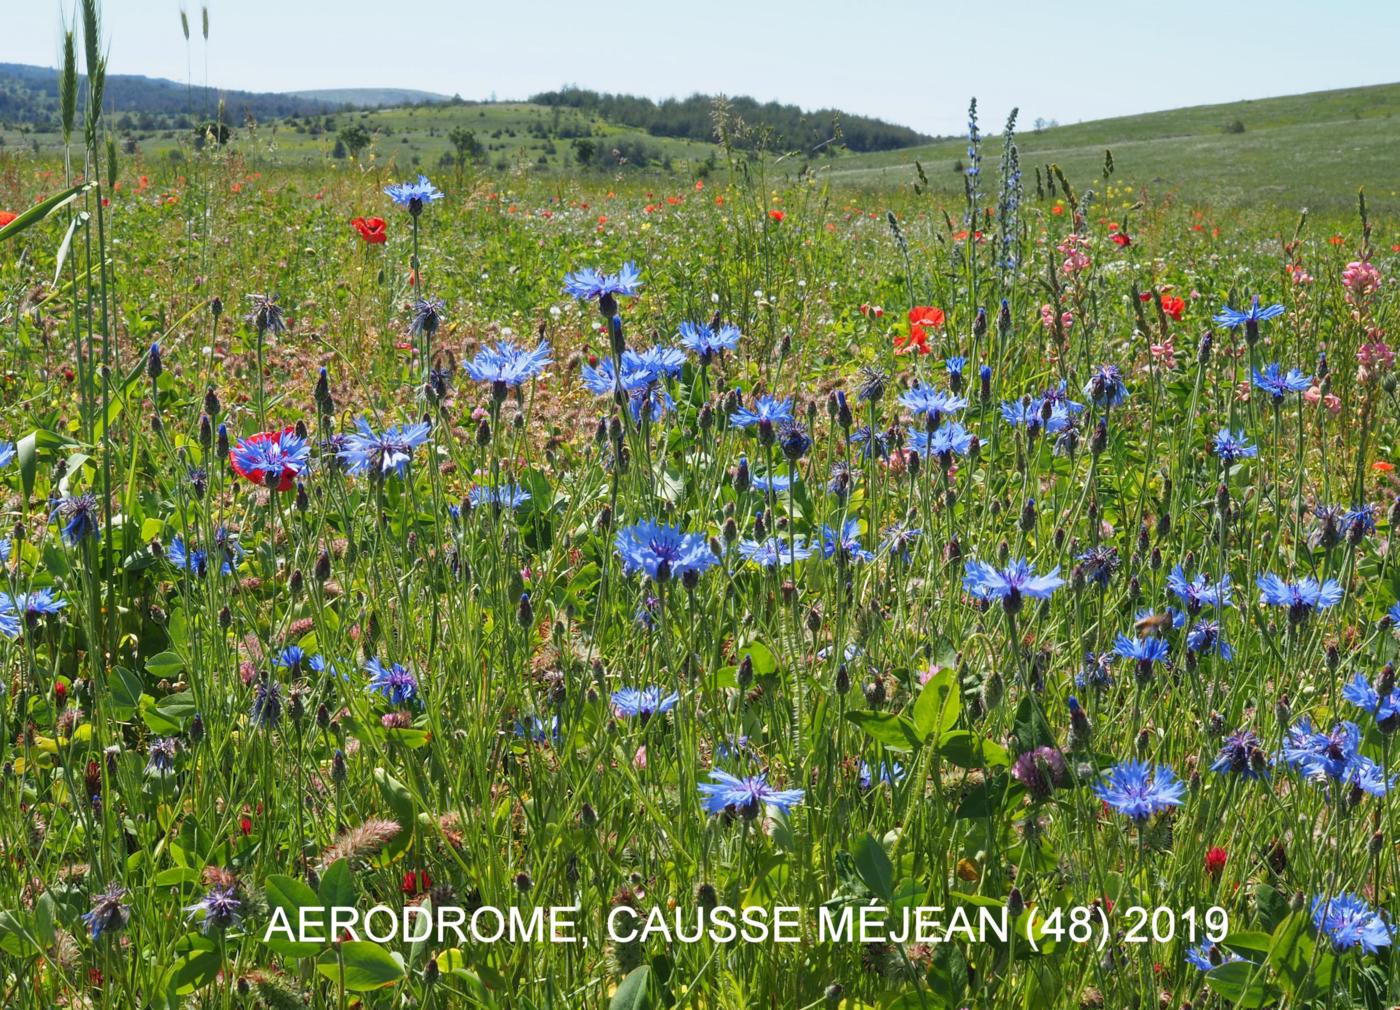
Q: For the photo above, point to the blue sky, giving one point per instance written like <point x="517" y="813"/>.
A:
<point x="908" y="62"/>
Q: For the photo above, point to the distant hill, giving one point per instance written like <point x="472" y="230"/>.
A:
<point x="374" y="98"/>
<point x="1311" y="150"/>
<point x="29" y="97"/>
<point x="693" y="119"/>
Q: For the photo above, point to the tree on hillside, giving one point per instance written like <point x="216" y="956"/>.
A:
<point x="466" y="145"/>
<point x="355" y="138"/>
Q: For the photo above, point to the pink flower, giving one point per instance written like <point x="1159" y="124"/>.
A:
<point x="639" y="760"/>
<point x="1047" y="317"/>
<point x="1299" y="275"/>
<point x="1376" y="353"/>
<point x="1165" y="354"/>
<point x="1075" y="250"/>
<point x="1362" y="280"/>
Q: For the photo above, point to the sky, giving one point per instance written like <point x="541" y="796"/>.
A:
<point x="914" y="63"/>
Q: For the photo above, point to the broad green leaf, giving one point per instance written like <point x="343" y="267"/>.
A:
<point x="367" y="966"/>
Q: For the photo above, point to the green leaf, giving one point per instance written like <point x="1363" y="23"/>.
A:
<point x="367" y="966"/>
<point x="39" y="211"/>
<point x="1243" y="983"/>
<point x="165" y="665"/>
<point x="1031" y="730"/>
<point x="400" y="801"/>
<point x="124" y="688"/>
<point x="938" y="705"/>
<point x="634" y="992"/>
<point x="338" y="886"/>
<point x="874" y="866"/>
<point x="193" y="970"/>
<point x="968" y="750"/>
<point x="291" y="896"/>
<point x="894" y="731"/>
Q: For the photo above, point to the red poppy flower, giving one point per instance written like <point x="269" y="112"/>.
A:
<point x="6" y="217"/>
<point x="1173" y="306"/>
<point x="1121" y="239"/>
<point x="245" y="824"/>
<point x="777" y="215"/>
<point x="371" y="229"/>
<point x="927" y="315"/>
<point x="1216" y="858"/>
<point x="245" y="456"/>
<point x="416" y="883"/>
<point x="917" y="340"/>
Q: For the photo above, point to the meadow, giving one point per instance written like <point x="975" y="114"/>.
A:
<point x="680" y="545"/>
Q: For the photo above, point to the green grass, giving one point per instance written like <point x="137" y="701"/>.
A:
<point x="1311" y="150"/>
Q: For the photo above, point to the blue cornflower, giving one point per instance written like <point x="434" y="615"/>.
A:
<point x="1098" y="564"/>
<point x="414" y="195"/>
<point x="1096" y="672"/>
<point x="892" y="774"/>
<point x="1242" y="753"/>
<point x="774" y="551"/>
<point x="1335" y="755"/>
<point x="508" y="365"/>
<point x="1279" y="384"/>
<point x="109" y="912"/>
<point x="5" y="546"/>
<point x="955" y="365"/>
<point x="538" y="730"/>
<point x="186" y="559"/>
<point x="776" y="483"/>
<point x="663" y="552"/>
<point x="1208" y="955"/>
<point x="510" y="496"/>
<point x="930" y="403"/>
<point x="704" y="341"/>
<point x="220" y="906"/>
<point x="1198" y="592"/>
<point x="1022" y="413"/>
<point x="1232" y="447"/>
<point x="160" y="756"/>
<point x="745" y="797"/>
<point x="1138" y="790"/>
<point x="7" y="453"/>
<point x="899" y="540"/>
<point x="641" y="378"/>
<point x="10" y="625"/>
<point x="1058" y="398"/>
<point x="643" y="703"/>
<point x="949" y="439"/>
<point x="878" y="446"/>
<point x="1301" y="597"/>
<point x="266" y="711"/>
<point x="271" y="458"/>
<point x="1359" y="522"/>
<point x="767" y="411"/>
<point x="1386" y="711"/>
<point x="382" y="453"/>
<point x="291" y="659"/>
<point x="593" y="283"/>
<point x="1348" y="921"/>
<point x="394" y="683"/>
<point x="1250" y="319"/>
<point x="1204" y="637"/>
<point x="35" y="605"/>
<point x="1394" y="614"/>
<point x="226" y="546"/>
<point x="845" y="542"/>
<point x="1011" y="584"/>
<point x="78" y="514"/>
<point x="1105" y="386"/>
<point x="1143" y="651"/>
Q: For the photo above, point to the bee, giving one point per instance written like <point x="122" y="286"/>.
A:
<point x="1153" y="624"/>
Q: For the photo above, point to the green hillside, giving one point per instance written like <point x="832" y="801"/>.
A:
<point x="1304" y="150"/>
